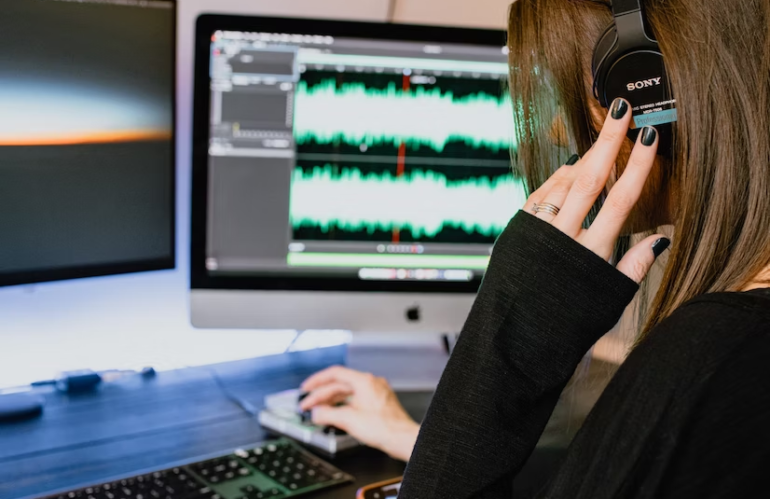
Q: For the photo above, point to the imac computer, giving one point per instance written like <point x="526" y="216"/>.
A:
<point x="346" y="175"/>
<point x="87" y="94"/>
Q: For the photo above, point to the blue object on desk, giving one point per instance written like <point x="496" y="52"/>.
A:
<point x="78" y="381"/>
<point x="20" y="406"/>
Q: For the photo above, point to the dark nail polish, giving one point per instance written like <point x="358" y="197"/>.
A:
<point x="619" y="108"/>
<point x="649" y="135"/>
<point x="661" y="245"/>
<point x="572" y="160"/>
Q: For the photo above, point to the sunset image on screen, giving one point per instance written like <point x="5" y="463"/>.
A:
<point x="43" y="113"/>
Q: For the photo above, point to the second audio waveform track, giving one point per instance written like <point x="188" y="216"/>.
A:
<point x="346" y="204"/>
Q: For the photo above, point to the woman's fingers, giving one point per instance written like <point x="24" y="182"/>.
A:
<point x="329" y="394"/>
<point x="343" y="418"/>
<point x="594" y="170"/>
<point x="562" y="175"/>
<point x="601" y="236"/>
<point x="355" y="379"/>
<point x="551" y="202"/>
<point x="640" y="259"/>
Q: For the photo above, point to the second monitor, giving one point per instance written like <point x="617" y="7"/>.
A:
<point x="347" y="175"/>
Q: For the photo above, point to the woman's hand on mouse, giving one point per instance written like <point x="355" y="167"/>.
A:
<point x="369" y="410"/>
<point x="573" y="190"/>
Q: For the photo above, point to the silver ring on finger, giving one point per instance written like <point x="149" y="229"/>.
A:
<point x="546" y="208"/>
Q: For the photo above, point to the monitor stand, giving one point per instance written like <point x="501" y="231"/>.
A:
<point x="409" y="361"/>
<point x="19" y="406"/>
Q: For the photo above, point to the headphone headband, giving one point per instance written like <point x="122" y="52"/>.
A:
<point x="620" y="7"/>
<point x="629" y="24"/>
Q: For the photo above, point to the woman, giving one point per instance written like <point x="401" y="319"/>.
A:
<point x="686" y="415"/>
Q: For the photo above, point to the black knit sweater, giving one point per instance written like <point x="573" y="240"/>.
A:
<point x="687" y="415"/>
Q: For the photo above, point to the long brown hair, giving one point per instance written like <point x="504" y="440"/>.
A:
<point x="717" y="56"/>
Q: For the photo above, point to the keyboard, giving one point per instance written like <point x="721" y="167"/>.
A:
<point x="275" y="469"/>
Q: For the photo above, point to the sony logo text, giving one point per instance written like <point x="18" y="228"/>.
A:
<point x="653" y="82"/>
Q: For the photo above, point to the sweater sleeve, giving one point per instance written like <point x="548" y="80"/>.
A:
<point x="544" y="302"/>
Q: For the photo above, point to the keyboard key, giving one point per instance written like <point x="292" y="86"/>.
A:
<point x="191" y="485"/>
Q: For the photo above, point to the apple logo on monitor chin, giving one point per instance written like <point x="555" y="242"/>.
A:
<point x="413" y="313"/>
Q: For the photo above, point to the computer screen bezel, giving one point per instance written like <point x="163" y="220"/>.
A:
<point x="127" y="267"/>
<point x="206" y="26"/>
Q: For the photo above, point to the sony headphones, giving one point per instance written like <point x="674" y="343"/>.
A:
<point x="627" y="63"/>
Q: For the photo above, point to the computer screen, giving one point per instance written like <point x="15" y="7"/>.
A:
<point x="346" y="156"/>
<point x="86" y="138"/>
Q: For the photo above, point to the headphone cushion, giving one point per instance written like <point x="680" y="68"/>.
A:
<point x="603" y="47"/>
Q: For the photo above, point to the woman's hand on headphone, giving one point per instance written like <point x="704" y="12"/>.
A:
<point x="575" y="188"/>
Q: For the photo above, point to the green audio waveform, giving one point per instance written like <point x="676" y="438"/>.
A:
<point x="422" y="202"/>
<point x="356" y="115"/>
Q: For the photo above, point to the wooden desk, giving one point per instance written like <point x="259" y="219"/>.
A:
<point x="134" y="424"/>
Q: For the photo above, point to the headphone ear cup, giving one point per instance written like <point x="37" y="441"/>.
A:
<point x="640" y="78"/>
<point x="633" y="69"/>
<point x="602" y="50"/>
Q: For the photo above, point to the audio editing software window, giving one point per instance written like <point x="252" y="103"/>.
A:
<point x="347" y="157"/>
